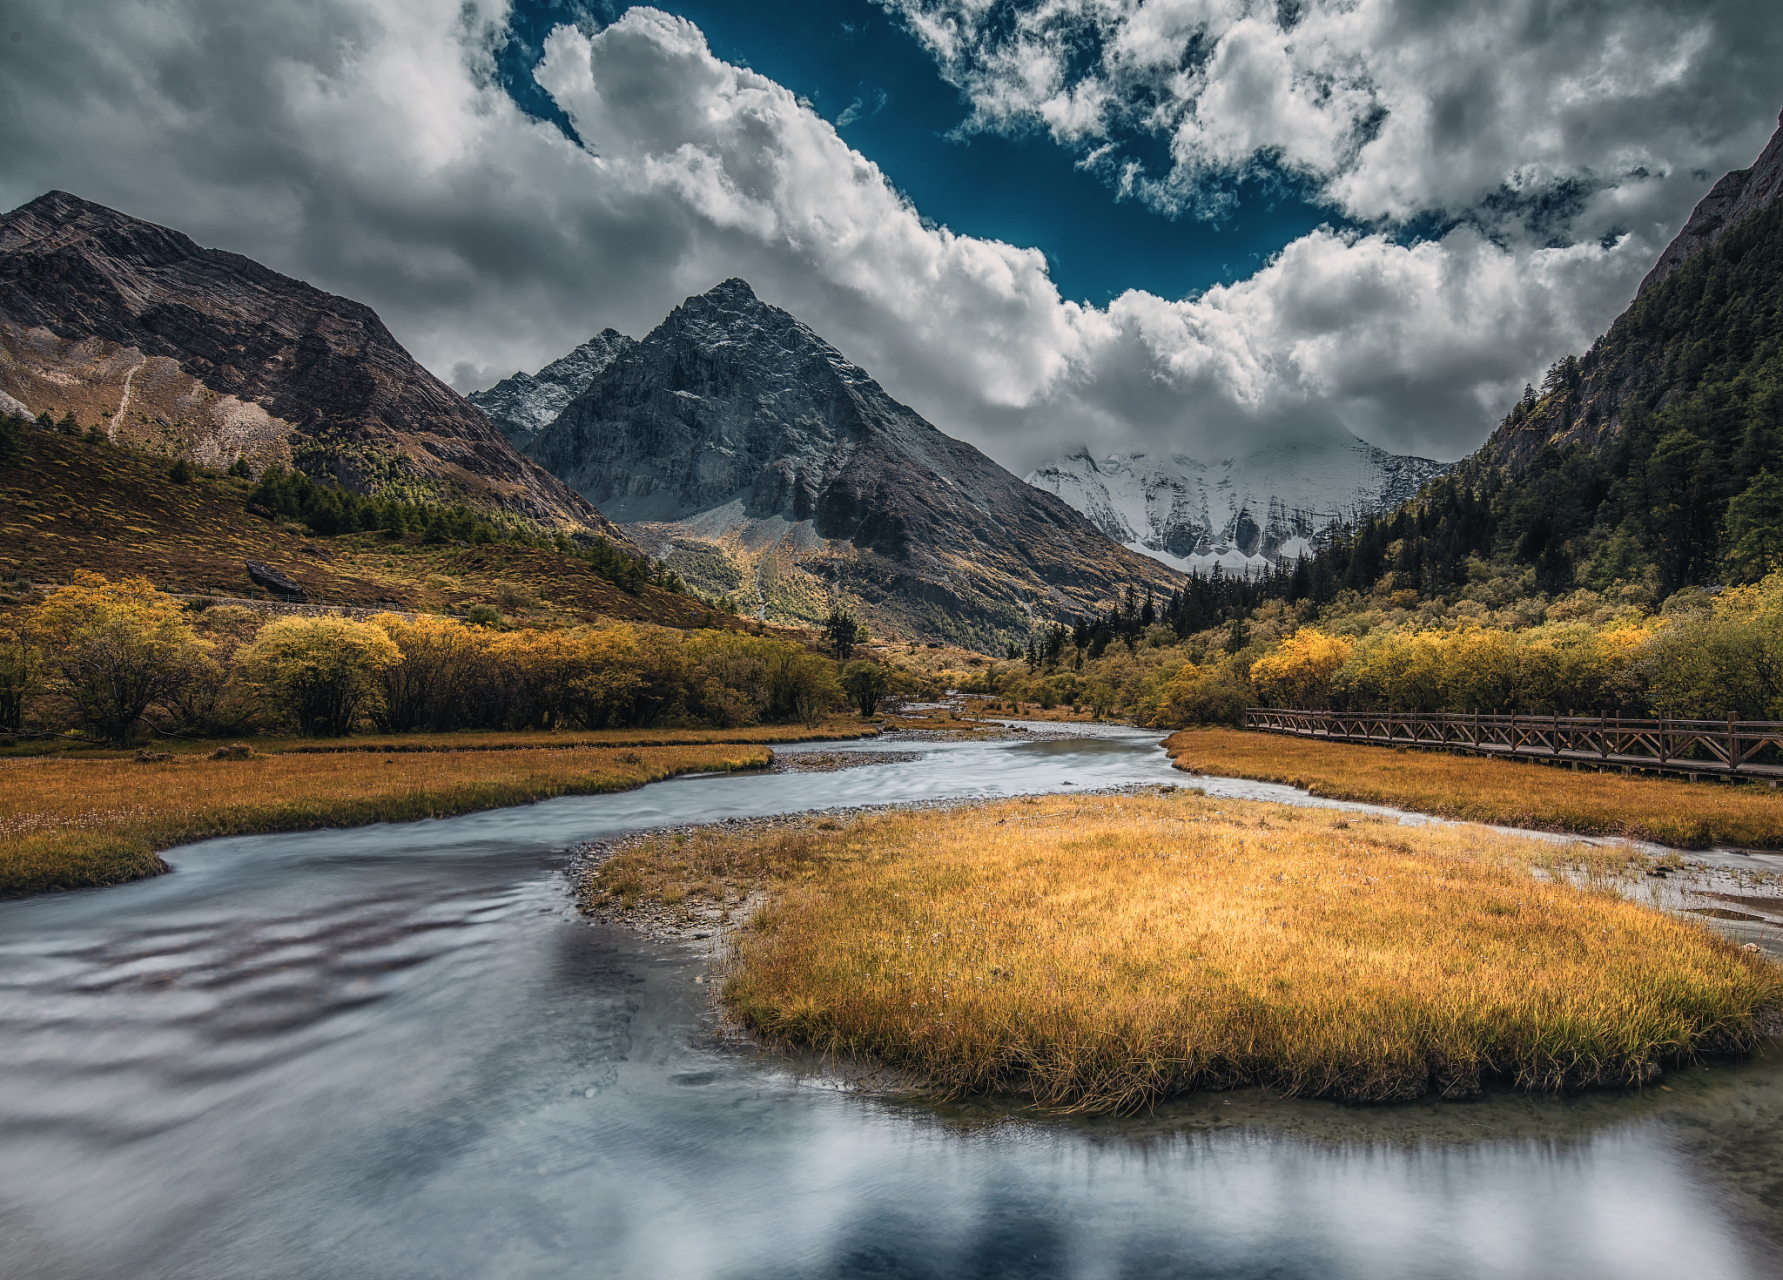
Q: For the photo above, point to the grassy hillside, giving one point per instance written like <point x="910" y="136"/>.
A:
<point x="68" y="505"/>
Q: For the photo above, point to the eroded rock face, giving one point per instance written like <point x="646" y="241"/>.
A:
<point x="106" y="293"/>
<point x="527" y="403"/>
<point x="734" y="426"/>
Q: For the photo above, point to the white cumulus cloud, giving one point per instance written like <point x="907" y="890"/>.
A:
<point x="366" y="145"/>
<point x="1549" y="118"/>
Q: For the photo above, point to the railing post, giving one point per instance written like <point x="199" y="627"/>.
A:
<point x="1733" y="751"/>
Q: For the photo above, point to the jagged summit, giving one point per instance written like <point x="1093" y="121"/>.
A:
<point x="525" y="404"/>
<point x="211" y="354"/>
<point x="735" y="291"/>
<point x="734" y="425"/>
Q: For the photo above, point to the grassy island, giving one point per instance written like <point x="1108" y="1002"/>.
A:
<point x="1503" y="792"/>
<point x="1105" y="952"/>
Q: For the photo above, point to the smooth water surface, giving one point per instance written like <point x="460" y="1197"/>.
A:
<point x="398" y="1052"/>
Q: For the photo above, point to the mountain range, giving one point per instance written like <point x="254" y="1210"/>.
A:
<point x="738" y="445"/>
<point x="1243" y="514"/>
<point x="179" y="349"/>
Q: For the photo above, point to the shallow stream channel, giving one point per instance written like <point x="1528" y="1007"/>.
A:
<point x="399" y="1051"/>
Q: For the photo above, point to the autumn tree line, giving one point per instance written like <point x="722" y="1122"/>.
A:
<point x="112" y="661"/>
<point x="1703" y="657"/>
<point x="1698" y="654"/>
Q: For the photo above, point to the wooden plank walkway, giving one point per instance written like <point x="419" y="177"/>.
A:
<point x="1727" y="749"/>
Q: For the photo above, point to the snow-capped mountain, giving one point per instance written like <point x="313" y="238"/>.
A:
<point x="525" y="404"/>
<point x="1243" y="513"/>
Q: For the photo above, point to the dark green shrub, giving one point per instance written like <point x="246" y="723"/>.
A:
<point x="12" y="438"/>
<point x="865" y="684"/>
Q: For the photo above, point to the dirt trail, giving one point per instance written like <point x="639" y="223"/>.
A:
<point x="117" y="419"/>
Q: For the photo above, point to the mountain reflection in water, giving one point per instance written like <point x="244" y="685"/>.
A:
<point x="397" y="1051"/>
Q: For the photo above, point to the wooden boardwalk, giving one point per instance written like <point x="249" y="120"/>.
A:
<point x="1731" y="749"/>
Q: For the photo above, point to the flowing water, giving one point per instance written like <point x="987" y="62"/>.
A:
<point x="397" y="1052"/>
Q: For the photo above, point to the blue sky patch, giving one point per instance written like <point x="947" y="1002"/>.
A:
<point x="864" y="73"/>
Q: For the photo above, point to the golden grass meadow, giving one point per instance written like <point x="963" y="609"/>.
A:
<point x="67" y="824"/>
<point x="1479" y="789"/>
<point x="1102" y="953"/>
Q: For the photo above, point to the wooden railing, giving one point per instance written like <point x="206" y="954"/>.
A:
<point x="1715" y="748"/>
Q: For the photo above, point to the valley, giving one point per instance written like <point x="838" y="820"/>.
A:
<point x="682" y="811"/>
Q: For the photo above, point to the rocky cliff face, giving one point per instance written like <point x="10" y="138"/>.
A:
<point x="171" y="346"/>
<point x="1244" y="514"/>
<point x="737" y="443"/>
<point x="527" y="403"/>
<point x="1582" y="401"/>
<point x="1730" y="201"/>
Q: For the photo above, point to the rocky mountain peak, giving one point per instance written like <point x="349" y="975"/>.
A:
<point x="1244" y="513"/>
<point x="58" y="220"/>
<point x="732" y="424"/>
<point x="218" y="357"/>
<point x="525" y="404"/>
<point x="733" y="292"/>
<point x="755" y="336"/>
<point x="750" y="403"/>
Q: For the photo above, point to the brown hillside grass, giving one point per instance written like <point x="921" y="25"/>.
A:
<point x="67" y="824"/>
<point x="1102" y="953"/>
<point x="68" y="506"/>
<point x="1476" y="789"/>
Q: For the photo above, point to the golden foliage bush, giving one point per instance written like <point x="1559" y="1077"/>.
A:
<point x="1298" y="672"/>
<point x="1704" y="656"/>
<point x="320" y="672"/>
<point x="1213" y="694"/>
<point x="124" y="650"/>
<point x="115" y="650"/>
<point x="1719" y="655"/>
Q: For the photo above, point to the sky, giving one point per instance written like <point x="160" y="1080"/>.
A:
<point x="1182" y="226"/>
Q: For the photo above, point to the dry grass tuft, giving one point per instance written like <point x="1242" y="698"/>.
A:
<point x="1477" y="789"/>
<point x="67" y="824"/>
<point x="1103" y="953"/>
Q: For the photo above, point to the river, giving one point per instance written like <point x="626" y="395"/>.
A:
<point x="397" y="1051"/>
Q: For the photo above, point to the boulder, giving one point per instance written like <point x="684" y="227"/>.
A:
<point x="270" y="578"/>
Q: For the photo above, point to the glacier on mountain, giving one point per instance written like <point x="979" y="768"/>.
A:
<point x="1245" y="513"/>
